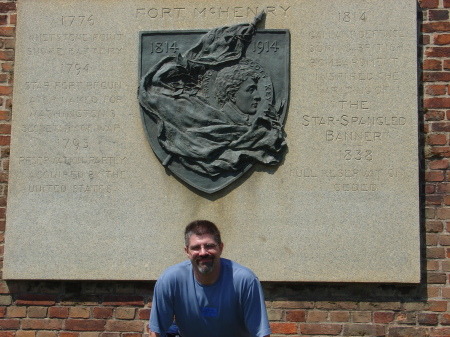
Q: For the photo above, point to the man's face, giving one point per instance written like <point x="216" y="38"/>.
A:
<point x="204" y="252"/>
<point x="247" y="97"/>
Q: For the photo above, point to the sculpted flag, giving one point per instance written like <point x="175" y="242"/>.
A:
<point x="212" y="109"/>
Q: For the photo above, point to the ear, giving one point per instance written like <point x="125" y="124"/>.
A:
<point x="220" y="248"/>
<point x="186" y="250"/>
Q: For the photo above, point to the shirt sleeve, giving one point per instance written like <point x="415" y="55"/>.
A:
<point x="255" y="311"/>
<point x="161" y="313"/>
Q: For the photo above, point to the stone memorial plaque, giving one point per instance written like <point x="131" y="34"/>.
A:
<point x="93" y="196"/>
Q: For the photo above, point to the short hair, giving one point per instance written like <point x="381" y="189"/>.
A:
<point x="229" y="79"/>
<point x="201" y="227"/>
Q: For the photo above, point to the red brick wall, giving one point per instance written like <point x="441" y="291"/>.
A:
<point x="114" y="309"/>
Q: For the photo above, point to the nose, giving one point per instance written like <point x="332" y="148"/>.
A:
<point x="203" y="250"/>
<point x="256" y="96"/>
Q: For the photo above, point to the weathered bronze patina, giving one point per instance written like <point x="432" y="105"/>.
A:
<point x="213" y="103"/>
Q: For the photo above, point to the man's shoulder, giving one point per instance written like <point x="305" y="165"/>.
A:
<point x="239" y="271"/>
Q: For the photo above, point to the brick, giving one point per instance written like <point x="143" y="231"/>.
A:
<point x="9" y="324"/>
<point x="428" y="3"/>
<point x="383" y="316"/>
<point x="437" y="306"/>
<point x="111" y="334"/>
<point x="434" y="226"/>
<point x="79" y="312"/>
<point x="41" y="324"/>
<point x="435" y="102"/>
<point x="361" y="316"/>
<point x="131" y="300"/>
<point x="125" y="326"/>
<point x="441" y="39"/>
<point x="12" y="19"/>
<point x="125" y="313"/>
<point x="434" y="115"/>
<point x="435" y="252"/>
<point x="408" y="332"/>
<point x="336" y="305"/>
<point x="68" y="334"/>
<point x="439" y="164"/>
<point x="46" y="334"/>
<point x="339" y="316"/>
<point x="431" y="239"/>
<point x="58" y="312"/>
<point x="440" y="332"/>
<point x="320" y="329"/>
<point x="436" y="89"/>
<point x="283" y="328"/>
<point x="35" y="299"/>
<point x="446" y="65"/>
<point x="380" y="306"/>
<point x="4" y="299"/>
<point x="5" y="90"/>
<point x="5" y="129"/>
<point x="433" y="200"/>
<point x="101" y="312"/>
<point x="433" y="27"/>
<point x="445" y="319"/>
<point x="443" y="213"/>
<point x="432" y="64"/>
<point x="7" y="31"/>
<point x="438" y="15"/>
<point x="85" y="324"/>
<point x="438" y="139"/>
<point x="9" y="67"/>
<point x="131" y="335"/>
<point x="7" y="334"/>
<point x="427" y="318"/>
<point x="145" y="314"/>
<point x="364" y="330"/>
<point x="436" y="278"/>
<point x="317" y="316"/>
<point x="296" y="316"/>
<point x="7" y="7"/>
<point x="294" y="304"/>
<point x="7" y="55"/>
<point x="37" y="312"/>
<point x="433" y="265"/>
<point x="446" y="3"/>
<point x="407" y="318"/>
<point x="443" y="188"/>
<point x="445" y="266"/>
<point x="25" y="333"/>
<point x="16" y="312"/>
<point x="90" y="334"/>
<point x="431" y="176"/>
<point x="444" y="240"/>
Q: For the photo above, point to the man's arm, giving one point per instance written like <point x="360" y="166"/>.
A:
<point x="154" y="334"/>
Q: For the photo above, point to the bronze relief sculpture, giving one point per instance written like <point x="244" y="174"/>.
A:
<point x="214" y="108"/>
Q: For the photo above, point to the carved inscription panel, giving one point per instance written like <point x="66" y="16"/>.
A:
<point x="89" y="199"/>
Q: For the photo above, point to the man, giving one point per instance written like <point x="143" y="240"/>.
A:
<point x="209" y="296"/>
<point x="237" y="93"/>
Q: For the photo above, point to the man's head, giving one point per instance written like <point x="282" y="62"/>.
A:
<point x="203" y="247"/>
<point x="238" y="84"/>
